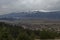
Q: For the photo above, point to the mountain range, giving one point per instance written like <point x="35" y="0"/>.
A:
<point x="31" y="15"/>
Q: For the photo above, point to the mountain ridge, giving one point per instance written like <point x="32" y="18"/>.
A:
<point x="31" y="15"/>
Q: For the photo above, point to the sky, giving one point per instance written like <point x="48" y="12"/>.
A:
<point x="9" y="6"/>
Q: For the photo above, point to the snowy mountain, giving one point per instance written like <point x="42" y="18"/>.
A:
<point x="31" y="15"/>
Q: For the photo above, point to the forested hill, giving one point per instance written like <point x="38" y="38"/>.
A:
<point x="13" y="32"/>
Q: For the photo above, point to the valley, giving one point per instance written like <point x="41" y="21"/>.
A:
<point x="35" y="24"/>
<point x="40" y="25"/>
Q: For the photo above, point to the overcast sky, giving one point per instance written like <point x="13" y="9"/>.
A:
<point x="7" y="6"/>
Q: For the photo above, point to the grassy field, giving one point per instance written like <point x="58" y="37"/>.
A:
<point x="34" y="21"/>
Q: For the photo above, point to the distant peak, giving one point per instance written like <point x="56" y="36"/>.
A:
<point x="40" y="11"/>
<point x="44" y="11"/>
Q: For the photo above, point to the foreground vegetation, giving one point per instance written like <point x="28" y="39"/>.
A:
<point x="14" y="32"/>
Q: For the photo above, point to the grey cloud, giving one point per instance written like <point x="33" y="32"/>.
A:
<point x="7" y="6"/>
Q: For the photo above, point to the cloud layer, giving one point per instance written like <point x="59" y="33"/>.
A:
<point x="7" y="6"/>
